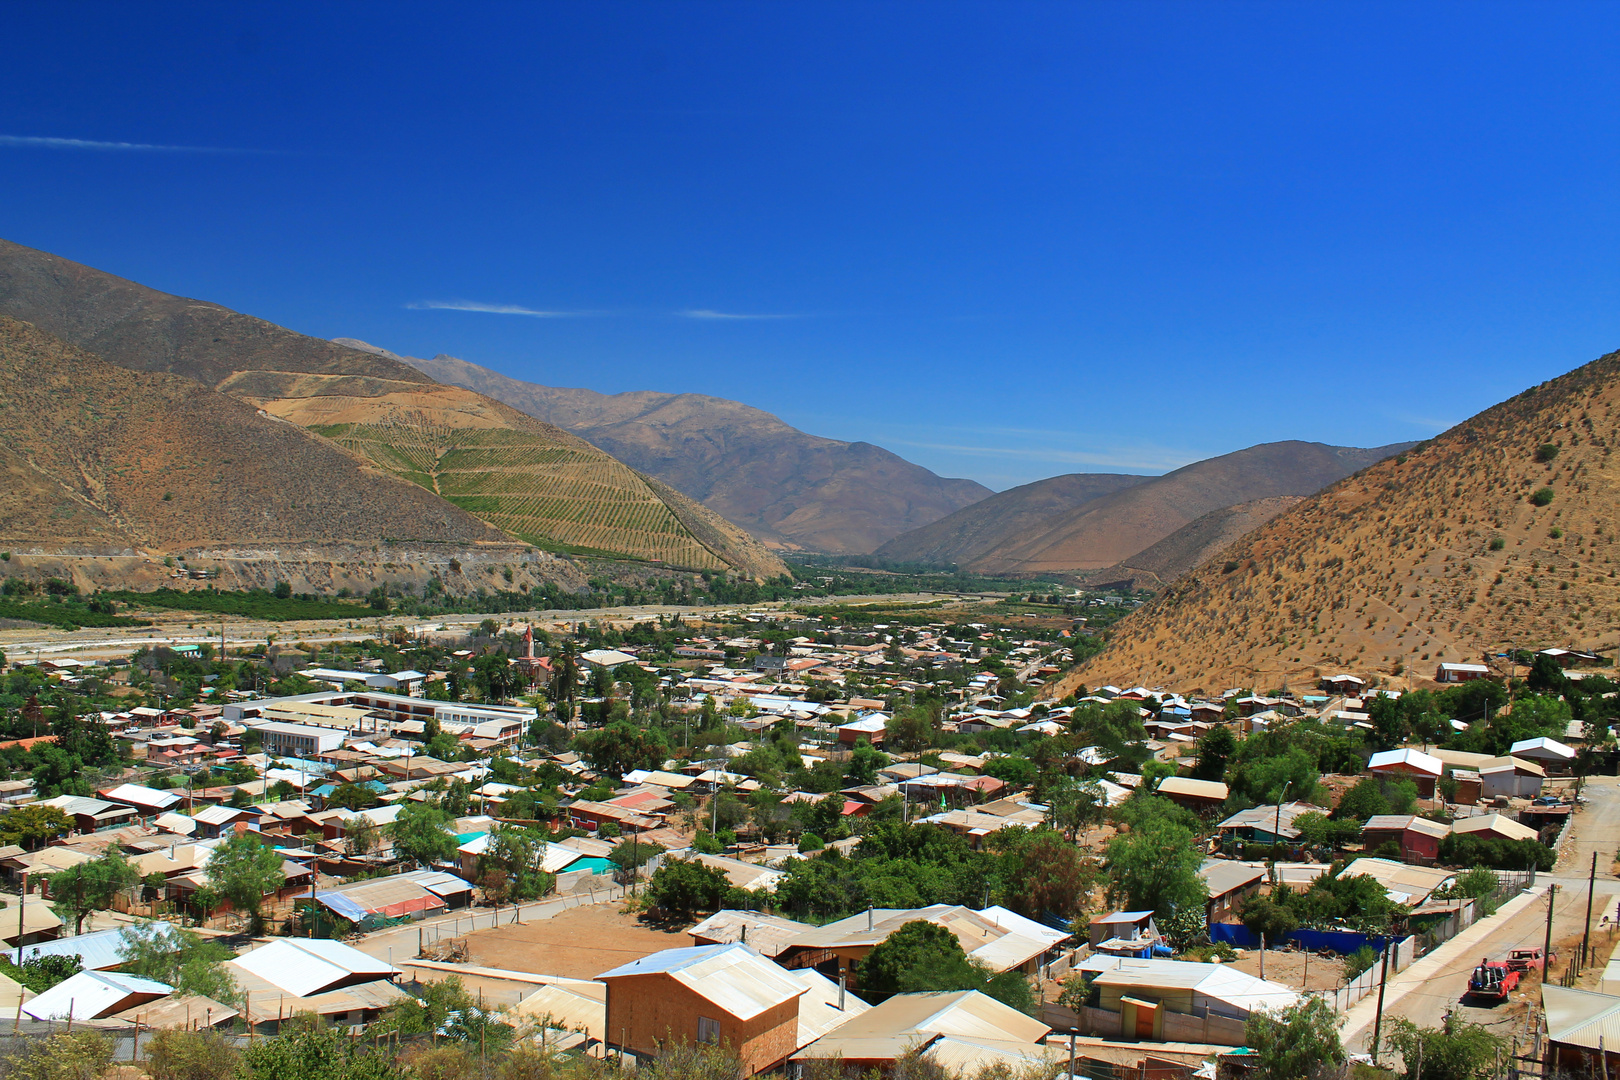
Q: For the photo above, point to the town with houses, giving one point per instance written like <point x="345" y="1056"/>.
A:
<point x="815" y="840"/>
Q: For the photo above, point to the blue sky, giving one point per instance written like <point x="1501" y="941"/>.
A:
<point x="1004" y="240"/>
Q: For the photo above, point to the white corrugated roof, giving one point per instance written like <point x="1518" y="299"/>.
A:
<point x="1221" y="982"/>
<point x="1416" y="759"/>
<point x="307" y="966"/>
<point x="92" y="994"/>
<point x="136" y="795"/>
<point x="734" y="977"/>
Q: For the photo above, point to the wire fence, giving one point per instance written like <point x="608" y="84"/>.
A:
<point x="432" y="931"/>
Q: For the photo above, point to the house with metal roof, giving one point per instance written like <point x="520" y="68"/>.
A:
<point x="1229" y="883"/>
<point x="1417" y="838"/>
<point x="97" y="951"/>
<point x="1514" y="777"/>
<point x="1493" y="827"/>
<point x="286" y="976"/>
<point x="1405" y="884"/>
<point x="727" y="995"/>
<point x="1142" y="991"/>
<point x="767" y="935"/>
<point x="145" y="800"/>
<point x="1408" y="764"/>
<point x="91" y="815"/>
<point x="1583" y="1028"/>
<point x="1266" y="824"/>
<point x="838" y="947"/>
<point x="91" y="995"/>
<point x="963" y="1030"/>
<point x="1548" y="753"/>
<point x="1199" y="796"/>
<point x="417" y="893"/>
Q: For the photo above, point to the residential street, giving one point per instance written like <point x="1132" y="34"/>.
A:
<point x="1426" y="991"/>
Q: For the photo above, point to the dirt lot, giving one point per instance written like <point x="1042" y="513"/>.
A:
<point x="1291" y="968"/>
<point x="579" y="943"/>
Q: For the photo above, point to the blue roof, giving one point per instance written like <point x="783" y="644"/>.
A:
<point x="669" y="960"/>
<point x="341" y="904"/>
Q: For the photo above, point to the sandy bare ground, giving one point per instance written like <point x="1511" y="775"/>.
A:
<point x="579" y="943"/>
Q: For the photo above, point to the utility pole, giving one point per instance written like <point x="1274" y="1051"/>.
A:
<point x="1591" y="886"/>
<point x="1546" y="951"/>
<point x="1383" y="980"/>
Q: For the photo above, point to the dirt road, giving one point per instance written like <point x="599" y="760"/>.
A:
<point x="1425" y="997"/>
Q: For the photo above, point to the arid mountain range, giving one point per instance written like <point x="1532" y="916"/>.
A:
<point x="528" y="479"/>
<point x="1503" y="532"/>
<point x="789" y="488"/>
<point x="1087" y="522"/>
<point x="111" y="457"/>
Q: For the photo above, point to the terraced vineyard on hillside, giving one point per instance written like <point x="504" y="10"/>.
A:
<point x="531" y="487"/>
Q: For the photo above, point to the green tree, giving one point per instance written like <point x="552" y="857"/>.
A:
<point x="316" y="1054"/>
<point x="32" y="827"/>
<point x="421" y="834"/>
<point x="78" y="1055"/>
<point x="519" y="853"/>
<point x="864" y="762"/>
<point x="912" y="729"/>
<point x="1215" y="749"/>
<point x="91" y="886"/>
<point x="1271" y="922"/>
<point x="352" y="796"/>
<point x="245" y="870"/>
<point x="39" y="973"/>
<point x="1155" y="866"/>
<point x="681" y="887"/>
<point x="1014" y="770"/>
<point x="183" y="959"/>
<point x="177" y="1054"/>
<point x="1041" y="870"/>
<point x="623" y="747"/>
<point x="631" y="854"/>
<point x="1299" y="1043"/>
<point x="923" y="956"/>
<point x="1365" y="799"/>
<point x="1457" y="1050"/>
<point x="919" y="948"/>
<point x="360" y="836"/>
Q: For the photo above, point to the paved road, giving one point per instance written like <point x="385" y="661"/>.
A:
<point x="1424" y="995"/>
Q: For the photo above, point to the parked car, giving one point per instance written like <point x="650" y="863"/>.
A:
<point x="1547" y="800"/>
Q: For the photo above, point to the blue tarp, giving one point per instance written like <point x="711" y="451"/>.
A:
<point x="1343" y="942"/>
<point x="344" y="906"/>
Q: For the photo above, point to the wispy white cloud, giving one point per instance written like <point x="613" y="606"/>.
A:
<point x="705" y="313"/>
<point x="47" y="143"/>
<point x="495" y="309"/>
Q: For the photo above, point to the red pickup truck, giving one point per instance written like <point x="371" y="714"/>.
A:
<point x="1492" y="981"/>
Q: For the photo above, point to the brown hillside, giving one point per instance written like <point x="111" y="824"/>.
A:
<point x="137" y="327"/>
<point x="790" y="488"/>
<point x="1192" y="545"/>
<point x="1114" y="528"/>
<point x="971" y="532"/>
<point x="529" y="479"/>
<point x="99" y="455"/>
<point x="1391" y="571"/>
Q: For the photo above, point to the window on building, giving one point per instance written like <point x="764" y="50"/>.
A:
<point x="708" y="1030"/>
